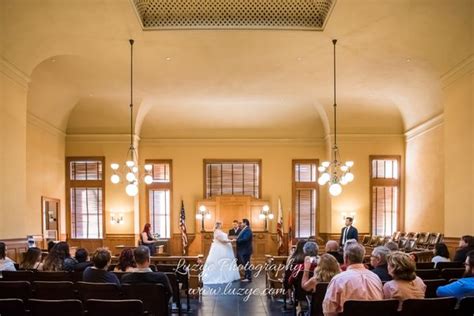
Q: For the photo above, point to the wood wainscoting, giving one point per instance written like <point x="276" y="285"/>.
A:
<point x="110" y="241"/>
<point x="15" y="248"/>
<point x="453" y="244"/>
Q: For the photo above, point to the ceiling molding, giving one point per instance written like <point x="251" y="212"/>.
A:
<point x="102" y="138"/>
<point x="464" y="67"/>
<point x="12" y="72"/>
<point x="42" y="124"/>
<point x="424" y="127"/>
<point x="300" y="142"/>
<point x="364" y="138"/>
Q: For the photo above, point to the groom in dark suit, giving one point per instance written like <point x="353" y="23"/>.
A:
<point x="244" y="248"/>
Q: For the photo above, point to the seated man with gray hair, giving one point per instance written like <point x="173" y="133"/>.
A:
<point x="378" y="260"/>
<point x="356" y="283"/>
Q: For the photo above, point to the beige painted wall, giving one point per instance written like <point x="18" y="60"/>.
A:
<point x="424" y="179"/>
<point x="459" y="168"/>
<point x="45" y="151"/>
<point x="14" y="216"/>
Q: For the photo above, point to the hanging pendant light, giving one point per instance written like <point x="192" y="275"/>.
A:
<point x="335" y="173"/>
<point x="131" y="168"/>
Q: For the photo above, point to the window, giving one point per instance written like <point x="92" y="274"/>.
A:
<point x="85" y="194"/>
<point x="305" y="190"/>
<point x="159" y="198"/>
<point x="385" y="194"/>
<point x="232" y="178"/>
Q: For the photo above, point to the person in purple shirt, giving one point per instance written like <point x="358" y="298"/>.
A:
<point x="462" y="287"/>
<point x="98" y="272"/>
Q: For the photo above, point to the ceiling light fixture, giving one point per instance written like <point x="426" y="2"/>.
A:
<point x="131" y="167"/>
<point x="335" y="173"/>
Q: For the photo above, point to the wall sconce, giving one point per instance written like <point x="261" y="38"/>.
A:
<point x="266" y="215"/>
<point x="203" y="213"/>
<point x="346" y="214"/>
<point x="116" y="219"/>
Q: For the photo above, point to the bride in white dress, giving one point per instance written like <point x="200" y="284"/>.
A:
<point x="220" y="266"/>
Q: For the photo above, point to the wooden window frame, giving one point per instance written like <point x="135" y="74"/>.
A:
<point x="385" y="182"/>
<point x="236" y="161"/>
<point x="84" y="183"/>
<point x="158" y="186"/>
<point x="304" y="185"/>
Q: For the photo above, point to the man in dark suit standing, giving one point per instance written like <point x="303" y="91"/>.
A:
<point x="348" y="232"/>
<point x="235" y="231"/>
<point x="244" y="248"/>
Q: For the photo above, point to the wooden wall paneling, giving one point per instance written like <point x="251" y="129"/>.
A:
<point x="89" y="244"/>
<point x="15" y="248"/>
<point x="453" y="244"/>
<point x="113" y="240"/>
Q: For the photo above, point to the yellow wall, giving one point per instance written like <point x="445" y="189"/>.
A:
<point x="459" y="156"/>
<point x="424" y="179"/>
<point x="14" y="216"/>
<point x="45" y="149"/>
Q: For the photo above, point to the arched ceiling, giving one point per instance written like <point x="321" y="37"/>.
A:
<point x="391" y="55"/>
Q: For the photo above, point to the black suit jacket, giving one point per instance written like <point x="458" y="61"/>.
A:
<point x="244" y="242"/>
<point x="233" y="233"/>
<point x="351" y="234"/>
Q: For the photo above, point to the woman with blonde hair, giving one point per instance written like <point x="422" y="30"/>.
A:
<point x="220" y="266"/>
<point x="326" y="269"/>
<point x="405" y="284"/>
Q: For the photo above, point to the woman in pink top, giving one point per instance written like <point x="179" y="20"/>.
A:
<point x="405" y="284"/>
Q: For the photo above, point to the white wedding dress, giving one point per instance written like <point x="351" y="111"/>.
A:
<point x="220" y="266"/>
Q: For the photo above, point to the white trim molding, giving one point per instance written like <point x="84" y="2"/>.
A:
<point x="364" y="138"/>
<point x="42" y="124"/>
<point x="101" y="138"/>
<point x="305" y="142"/>
<point x="464" y="67"/>
<point x="424" y="127"/>
<point x="12" y="72"/>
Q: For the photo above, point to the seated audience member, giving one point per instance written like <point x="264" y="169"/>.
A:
<point x="310" y="252"/>
<point x="51" y="244"/>
<point x="356" y="283"/>
<point x="6" y="264"/>
<point x="349" y="242"/>
<point x="126" y="262"/>
<point x="296" y="258"/>
<point x="462" y="287"/>
<point x="143" y="274"/>
<point x="378" y="260"/>
<point x="405" y="284"/>
<point x="32" y="259"/>
<point x="441" y="254"/>
<point x="82" y="258"/>
<point x="332" y="248"/>
<point x="392" y="246"/>
<point x="59" y="258"/>
<point x="98" y="272"/>
<point x="466" y="244"/>
<point x="327" y="268"/>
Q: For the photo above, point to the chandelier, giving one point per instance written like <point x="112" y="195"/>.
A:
<point x="335" y="172"/>
<point x="131" y="168"/>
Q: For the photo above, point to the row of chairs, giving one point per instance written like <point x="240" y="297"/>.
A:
<point x="411" y="241"/>
<point x="447" y="274"/>
<point x="152" y="296"/>
<point x="73" y="307"/>
<point x="430" y="305"/>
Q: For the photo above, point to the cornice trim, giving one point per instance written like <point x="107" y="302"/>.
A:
<point x="232" y="141"/>
<point x="12" y="72"/>
<point x="464" y="67"/>
<point x="42" y="124"/>
<point x="363" y="138"/>
<point x="424" y="127"/>
<point x="101" y="138"/>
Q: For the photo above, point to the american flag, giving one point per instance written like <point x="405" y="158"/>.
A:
<point x="182" y="227"/>
<point x="280" y="229"/>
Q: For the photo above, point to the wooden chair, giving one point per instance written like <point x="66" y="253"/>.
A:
<point x="366" y="240"/>
<point x="466" y="306"/>
<point x="371" y="308"/>
<point x="449" y="265"/>
<point x="429" y="306"/>
<point x="117" y="308"/>
<point x="56" y="307"/>
<point x="428" y="274"/>
<point x="12" y="307"/>
<point x="153" y="296"/>
<point x="452" y="273"/>
<point x="432" y="286"/>
<point x="317" y="298"/>
<point x="15" y="289"/>
<point x="103" y="291"/>
<point x="424" y="265"/>
<point x="59" y="290"/>
<point x="17" y="276"/>
<point x="52" y="276"/>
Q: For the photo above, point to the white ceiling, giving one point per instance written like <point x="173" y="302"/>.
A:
<point x="391" y="55"/>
